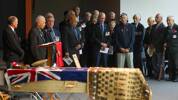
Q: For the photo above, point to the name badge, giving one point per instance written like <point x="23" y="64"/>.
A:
<point x="80" y="51"/>
<point x="107" y="33"/>
<point x="174" y="36"/>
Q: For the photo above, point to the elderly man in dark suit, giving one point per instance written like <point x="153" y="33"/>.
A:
<point x="151" y="22"/>
<point x="36" y="38"/>
<point x="138" y="44"/>
<point x="101" y="41"/>
<point x="12" y="48"/>
<point x="171" y="40"/>
<point x="156" y="42"/>
<point x="72" y="39"/>
<point x="51" y="34"/>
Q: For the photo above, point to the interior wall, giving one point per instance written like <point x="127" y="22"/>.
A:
<point x="59" y="6"/>
<point x="101" y="5"/>
<point x="147" y="8"/>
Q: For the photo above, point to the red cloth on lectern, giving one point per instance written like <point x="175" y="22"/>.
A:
<point x="59" y="60"/>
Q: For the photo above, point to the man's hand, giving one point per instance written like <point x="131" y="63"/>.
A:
<point x="104" y="45"/>
<point x="122" y="50"/>
<point x="127" y="50"/>
<point x="78" y="47"/>
<point x="66" y="54"/>
<point x="165" y="45"/>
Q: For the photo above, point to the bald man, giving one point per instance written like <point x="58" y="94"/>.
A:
<point x="171" y="39"/>
<point x="36" y="37"/>
<point x="156" y="42"/>
<point x="12" y="48"/>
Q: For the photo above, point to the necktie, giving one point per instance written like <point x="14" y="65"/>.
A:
<point x="76" y="33"/>
<point x="52" y="33"/>
<point x="41" y="35"/>
<point x="102" y="28"/>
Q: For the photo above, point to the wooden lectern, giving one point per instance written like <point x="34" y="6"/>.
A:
<point x="49" y="49"/>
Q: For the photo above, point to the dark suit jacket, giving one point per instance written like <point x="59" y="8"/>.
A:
<point x="12" y="48"/>
<point x="70" y="40"/>
<point x="171" y="38"/>
<point x="157" y="37"/>
<point x="36" y="37"/>
<point x="88" y="35"/>
<point x="49" y="37"/>
<point x="62" y="28"/>
<point x="98" y="37"/>
<point x="125" y="37"/>
<point x="138" y="44"/>
<point x="147" y="35"/>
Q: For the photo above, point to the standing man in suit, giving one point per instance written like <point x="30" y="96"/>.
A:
<point x="12" y="48"/>
<point x="171" y="38"/>
<point x="157" y="41"/>
<point x="36" y="38"/>
<point x="101" y="41"/>
<point x="88" y="43"/>
<point x="149" y="66"/>
<point x="138" y="44"/>
<point x="124" y="42"/>
<point x="72" y="39"/>
<point x="112" y="25"/>
<point x="51" y="34"/>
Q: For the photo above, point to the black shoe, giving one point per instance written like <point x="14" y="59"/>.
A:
<point x="175" y="80"/>
<point x="168" y="79"/>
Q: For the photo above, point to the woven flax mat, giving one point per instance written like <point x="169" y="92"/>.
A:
<point x="117" y="84"/>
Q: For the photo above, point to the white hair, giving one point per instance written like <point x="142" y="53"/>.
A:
<point x="150" y="18"/>
<point x="39" y="18"/>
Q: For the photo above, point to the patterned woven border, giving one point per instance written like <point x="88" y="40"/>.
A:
<point x="117" y="84"/>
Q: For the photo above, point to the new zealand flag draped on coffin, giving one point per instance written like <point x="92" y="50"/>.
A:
<point x="18" y="76"/>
